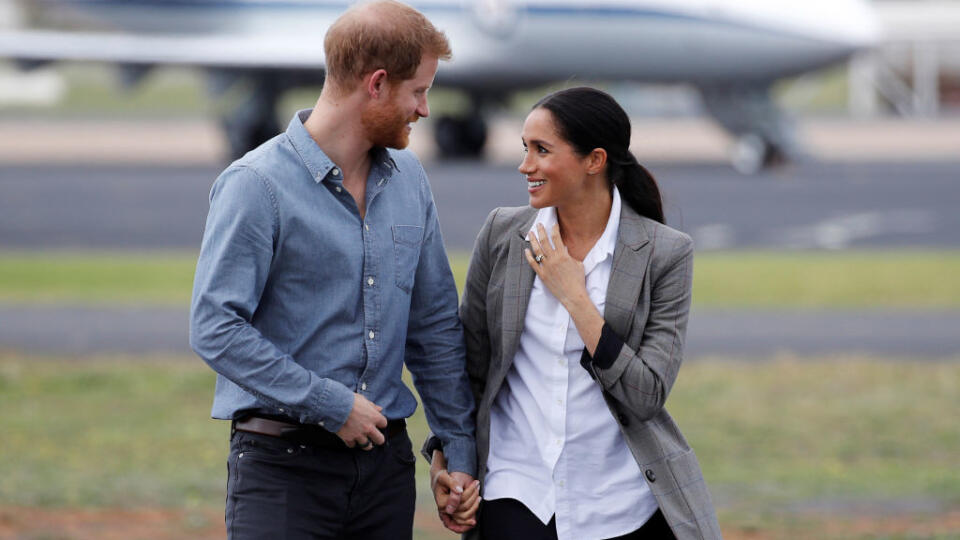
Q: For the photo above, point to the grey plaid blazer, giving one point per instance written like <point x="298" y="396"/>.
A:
<point x="647" y="303"/>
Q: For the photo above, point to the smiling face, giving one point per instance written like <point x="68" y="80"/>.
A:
<point x="388" y="121"/>
<point x="556" y="174"/>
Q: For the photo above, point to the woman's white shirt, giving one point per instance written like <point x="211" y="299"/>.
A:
<point x="554" y="445"/>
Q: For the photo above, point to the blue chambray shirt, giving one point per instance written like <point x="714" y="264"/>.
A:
<point x="298" y="302"/>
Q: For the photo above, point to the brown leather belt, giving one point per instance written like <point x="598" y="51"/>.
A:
<point x="303" y="433"/>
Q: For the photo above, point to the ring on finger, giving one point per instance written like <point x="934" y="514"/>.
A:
<point x="539" y="258"/>
<point x="367" y="445"/>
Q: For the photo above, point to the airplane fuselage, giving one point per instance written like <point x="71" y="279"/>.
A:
<point x="505" y="44"/>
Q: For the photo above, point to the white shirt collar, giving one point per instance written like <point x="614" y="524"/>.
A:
<point x="605" y="245"/>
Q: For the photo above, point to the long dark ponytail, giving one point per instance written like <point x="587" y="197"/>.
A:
<point x="588" y="118"/>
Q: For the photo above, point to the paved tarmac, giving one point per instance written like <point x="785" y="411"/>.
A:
<point x="827" y="205"/>
<point x="751" y="335"/>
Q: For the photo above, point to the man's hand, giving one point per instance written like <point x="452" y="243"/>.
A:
<point x="362" y="427"/>
<point x="457" y="495"/>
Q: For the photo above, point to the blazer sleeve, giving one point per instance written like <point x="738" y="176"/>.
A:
<point x="641" y="378"/>
<point x="473" y="310"/>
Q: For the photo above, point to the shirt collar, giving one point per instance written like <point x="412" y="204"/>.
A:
<point x="605" y="245"/>
<point x="317" y="162"/>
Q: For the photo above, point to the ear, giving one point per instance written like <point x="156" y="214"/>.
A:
<point x="375" y="83"/>
<point x="596" y="160"/>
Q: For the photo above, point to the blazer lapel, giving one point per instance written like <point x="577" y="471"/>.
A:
<point x="518" y="282"/>
<point x="630" y="260"/>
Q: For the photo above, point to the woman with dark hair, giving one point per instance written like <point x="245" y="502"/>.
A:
<point x="574" y="311"/>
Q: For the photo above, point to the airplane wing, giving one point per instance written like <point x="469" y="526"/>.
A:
<point x="214" y="51"/>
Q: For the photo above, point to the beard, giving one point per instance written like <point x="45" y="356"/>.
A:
<point x="386" y="125"/>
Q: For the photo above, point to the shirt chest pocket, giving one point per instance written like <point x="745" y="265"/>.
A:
<point x="406" y="245"/>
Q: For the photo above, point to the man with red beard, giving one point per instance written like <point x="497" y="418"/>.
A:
<point x="321" y="273"/>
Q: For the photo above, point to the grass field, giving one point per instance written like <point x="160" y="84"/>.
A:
<point x="815" y="448"/>
<point x="849" y="279"/>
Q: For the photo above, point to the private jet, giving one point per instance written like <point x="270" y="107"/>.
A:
<point x="732" y="51"/>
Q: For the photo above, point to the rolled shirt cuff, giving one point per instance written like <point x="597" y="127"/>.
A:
<point x="461" y="456"/>
<point x="608" y="349"/>
<point x="333" y="407"/>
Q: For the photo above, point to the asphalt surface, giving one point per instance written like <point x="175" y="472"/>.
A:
<point x="749" y="335"/>
<point x="810" y="205"/>
<point x="805" y="206"/>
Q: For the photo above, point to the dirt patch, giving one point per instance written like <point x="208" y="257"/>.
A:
<point x="834" y="526"/>
<point x="946" y="525"/>
<point x="21" y="523"/>
<point x="18" y="523"/>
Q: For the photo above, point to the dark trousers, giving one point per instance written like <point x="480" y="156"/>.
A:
<point x="282" y="490"/>
<point x="509" y="519"/>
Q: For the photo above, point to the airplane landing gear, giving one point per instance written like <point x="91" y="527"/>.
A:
<point x="750" y="153"/>
<point x="253" y="122"/>
<point x="461" y="137"/>
<point x="763" y="135"/>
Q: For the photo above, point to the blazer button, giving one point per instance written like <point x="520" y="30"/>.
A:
<point x="650" y="476"/>
<point x="622" y="418"/>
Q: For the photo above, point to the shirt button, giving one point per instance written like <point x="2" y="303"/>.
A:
<point x="320" y="423"/>
<point x="363" y="386"/>
<point x="281" y="409"/>
<point x="371" y="334"/>
<point x="339" y="189"/>
<point x="366" y="227"/>
<point x="335" y="171"/>
<point x="370" y="281"/>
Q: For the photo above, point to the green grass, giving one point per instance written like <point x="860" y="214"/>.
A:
<point x="157" y="278"/>
<point x="772" y="437"/>
<point x="849" y="279"/>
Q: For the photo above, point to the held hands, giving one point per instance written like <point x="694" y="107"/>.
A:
<point x="562" y="274"/>
<point x="457" y="495"/>
<point x="362" y="428"/>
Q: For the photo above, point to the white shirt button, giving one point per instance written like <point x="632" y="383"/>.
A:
<point x="371" y="334"/>
<point x="281" y="409"/>
<point x="365" y="226"/>
<point x="363" y="386"/>
<point x="335" y="171"/>
<point x="339" y="189"/>
<point x="320" y="423"/>
<point x="370" y="281"/>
